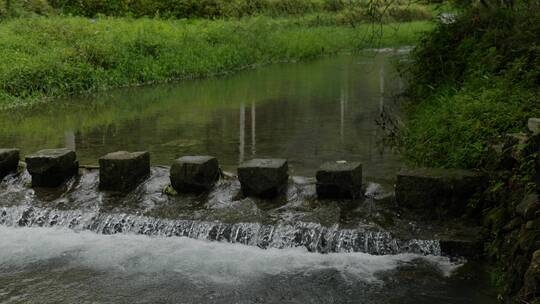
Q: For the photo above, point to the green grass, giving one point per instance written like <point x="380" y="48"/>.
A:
<point x="51" y="57"/>
<point x="456" y="128"/>
<point x="472" y="82"/>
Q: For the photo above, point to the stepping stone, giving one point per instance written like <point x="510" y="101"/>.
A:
<point x="339" y="179"/>
<point x="123" y="171"/>
<point x="194" y="173"/>
<point x="534" y="125"/>
<point x="52" y="167"/>
<point x="438" y="192"/>
<point x="9" y="161"/>
<point x="265" y="178"/>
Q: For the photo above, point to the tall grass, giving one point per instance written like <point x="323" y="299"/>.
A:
<point x="49" y="57"/>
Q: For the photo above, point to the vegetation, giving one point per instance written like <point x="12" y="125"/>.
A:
<point x="24" y="8"/>
<point x="392" y="9"/>
<point x="48" y="57"/>
<point x="473" y="80"/>
<point x="224" y="8"/>
<point x="187" y="8"/>
<point x="133" y="42"/>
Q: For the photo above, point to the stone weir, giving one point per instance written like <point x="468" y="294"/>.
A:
<point x="263" y="206"/>
<point x="312" y="236"/>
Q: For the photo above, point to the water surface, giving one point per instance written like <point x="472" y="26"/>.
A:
<point x="308" y="113"/>
<point x="44" y="265"/>
<point x="76" y="244"/>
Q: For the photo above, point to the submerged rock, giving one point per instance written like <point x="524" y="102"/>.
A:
<point x="194" y="173"/>
<point x="264" y="178"/>
<point x="339" y="180"/>
<point x="9" y="161"/>
<point x="438" y="192"/>
<point x="122" y="171"/>
<point x="52" y="167"/>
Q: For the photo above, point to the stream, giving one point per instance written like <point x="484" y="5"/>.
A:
<point x="76" y="244"/>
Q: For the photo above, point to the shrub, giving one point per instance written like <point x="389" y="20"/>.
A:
<point x="186" y="8"/>
<point x="24" y="8"/>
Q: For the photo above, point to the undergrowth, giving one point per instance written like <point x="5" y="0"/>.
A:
<point x="471" y="83"/>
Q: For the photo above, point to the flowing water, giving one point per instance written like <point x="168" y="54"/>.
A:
<point x="76" y="244"/>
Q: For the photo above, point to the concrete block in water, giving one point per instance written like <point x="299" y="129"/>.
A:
<point x="534" y="125"/>
<point x="9" y="161"/>
<point x="122" y="171"/>
<point x="438" y="192"/>
<point x="339" y="180"/>
<point x="264" y="178"/>
<point x="52" y="167"/>
<point x="194" y="173"/>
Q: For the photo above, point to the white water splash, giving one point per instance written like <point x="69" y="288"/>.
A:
<point x="312" y="236"/>
<point x="200" y="260"/>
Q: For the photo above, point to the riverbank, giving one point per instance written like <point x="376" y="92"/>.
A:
<point x="474" y="85"/>
<point x="50" y="57"/>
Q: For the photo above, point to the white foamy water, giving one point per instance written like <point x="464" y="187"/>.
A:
<point x="202" y="260"/>
<point x="312" y="236"/>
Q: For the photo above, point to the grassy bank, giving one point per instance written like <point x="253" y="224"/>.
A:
<point x="50" y="57"/>
<point x="473" y="83"/>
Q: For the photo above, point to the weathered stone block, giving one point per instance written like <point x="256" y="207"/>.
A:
<point x="339" y="180"/>
<point x="9" y="161"/>
<point x="534" y="125"/>
<point x="438" y="192"/>
<point x="194" y="173"/>
<point x="263" y="177"/>
<point x="531" y="286"/>
<point x="52" y="167"/>
<point x="122" y="171"/>
<point x="529" y="208"/>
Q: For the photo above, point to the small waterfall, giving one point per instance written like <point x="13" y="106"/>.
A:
<point x="314" y="237"/>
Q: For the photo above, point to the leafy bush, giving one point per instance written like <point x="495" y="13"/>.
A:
<point x="23" y="8"/>
<point x="186" y="8"/>
<point x="234" y="8"/>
